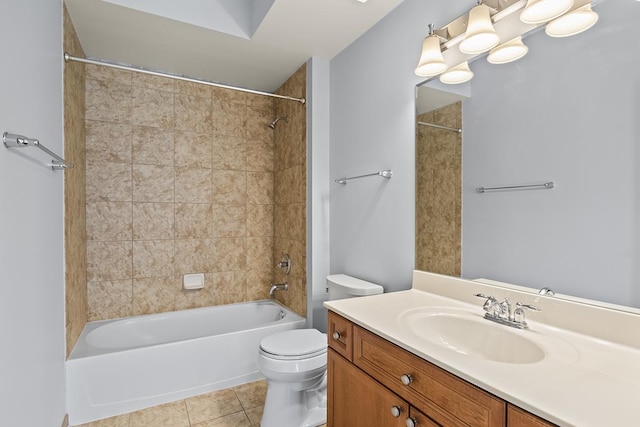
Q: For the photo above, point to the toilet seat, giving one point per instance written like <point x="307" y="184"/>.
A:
<point x="294" y="344"/>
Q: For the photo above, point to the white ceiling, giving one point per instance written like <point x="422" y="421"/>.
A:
<point x="255" y="44"/>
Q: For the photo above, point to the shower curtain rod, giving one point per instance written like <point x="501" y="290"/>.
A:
<point x="68" y="57"/>
<point x="440" y="127"/>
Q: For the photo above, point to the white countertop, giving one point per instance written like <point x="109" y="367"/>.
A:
<point x="583" y="380"/>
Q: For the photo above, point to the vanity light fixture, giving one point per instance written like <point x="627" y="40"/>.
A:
<point x="510" y="51"/>
<point x="490" y="21"/>
<point x="572" y="23"/>
<point x="459" y="74"/>
<point x="541" y="11"/>
<point x="431" y="60"/>
<point x="480" y="35"/>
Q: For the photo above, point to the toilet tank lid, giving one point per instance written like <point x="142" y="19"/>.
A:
<point x="352" y="285"/>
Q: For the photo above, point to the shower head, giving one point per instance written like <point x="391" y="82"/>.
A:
<point x="272" y="125"/>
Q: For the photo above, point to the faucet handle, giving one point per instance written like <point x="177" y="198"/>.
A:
<point x="518" y="313"/>
<point x="490" y="302"/>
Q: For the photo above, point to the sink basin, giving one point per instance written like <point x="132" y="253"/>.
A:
<point x="470" y="334"/>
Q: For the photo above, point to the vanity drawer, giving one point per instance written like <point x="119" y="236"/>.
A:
<point x="340" y="335"/>
<point x="517" y="417"/>
<point x="443" y="397"/>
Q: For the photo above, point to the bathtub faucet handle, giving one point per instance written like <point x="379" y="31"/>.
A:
<point x="278" y="287"/>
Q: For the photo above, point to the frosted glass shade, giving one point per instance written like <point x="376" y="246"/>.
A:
<point x="572" y="23"/>
<point x="539" y="11"/>
<point x="508" y="52"/>
<point x="480" y="35"/>
<point x="458" y="74"/>
<point x="431" y="60"/>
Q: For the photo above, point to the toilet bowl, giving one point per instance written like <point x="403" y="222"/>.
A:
<point x="295" y="364"/>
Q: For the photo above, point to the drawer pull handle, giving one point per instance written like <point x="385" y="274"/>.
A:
<point x="412" y="422"/>
<point x="406" y="379"/>
<point x="396" y="411"/>
<point x="337" y="335"/>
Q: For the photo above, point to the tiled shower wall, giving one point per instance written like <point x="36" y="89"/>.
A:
<point x="290" y="191"/>
<point x="75" y="234"/>
<point x="180" y="179"/>
<point x="438" y="192"/>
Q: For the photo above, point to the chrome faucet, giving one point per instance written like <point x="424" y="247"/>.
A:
<point x="500" y="312"/>
<point x="278" y="287"/>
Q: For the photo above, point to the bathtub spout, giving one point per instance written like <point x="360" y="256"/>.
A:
<point x="278" y="287"/>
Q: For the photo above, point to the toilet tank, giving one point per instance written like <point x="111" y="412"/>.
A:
<point x="342" y="286"/>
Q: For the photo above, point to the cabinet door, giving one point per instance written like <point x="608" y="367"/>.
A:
<point x="517" y="417"/>
<point x="356" y="400"/>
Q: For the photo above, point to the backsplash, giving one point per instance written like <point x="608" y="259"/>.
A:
<point x="180" y="179"/>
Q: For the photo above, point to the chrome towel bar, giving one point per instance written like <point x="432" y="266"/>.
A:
<point x="385" y="174"/>
<point x="12" y="140"/>
<point x="546" y="185"/>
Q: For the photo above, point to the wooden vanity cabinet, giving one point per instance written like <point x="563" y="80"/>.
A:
<point x="374" y="383"/>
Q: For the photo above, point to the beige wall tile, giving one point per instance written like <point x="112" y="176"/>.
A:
<point x="229" y="187"/>
<point x="152" y="108"/>
<point x="258" y="283"/>
<point x="193" y="113"/>
<point x="154" y="295"/>
<point x="108" y="260"/>
<point x="153" y="183"/>
<point x="153" y="221"/>
<point x="227" y="95"/>
<point x="229" y="287"/>
<point x="229" y="152"/>
<point x="109" y="300"/>
<point x="152" y="258"/>
<point x="229" y="221"/>
<point x="193" y="89"/>
<point x="260" y="252"/>
<point x="260" y="220"/>
<point x="153" y="82"/>
<point x="193" y="150"/>
<point x="229" y="118"/>
<point x="257" y="125"/>
<point x="109" y="102"/>
<point x="231" y="254"/>
<point x="260" y="188"/>
<point x="194" y="256"/>
<point x="193" y="185"/>
<point x="260" y="156"/>
<point x="152" y="146"/>
<point x="261" y="101"/>
<point x="109" y="221"/>
<point x="193" y="220"/>
<point x="108" y="142"/>
<point x="109" y="182"/>
<point x="108" y="74"/>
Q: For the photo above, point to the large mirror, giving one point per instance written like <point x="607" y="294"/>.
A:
<point x="567" y="113"/>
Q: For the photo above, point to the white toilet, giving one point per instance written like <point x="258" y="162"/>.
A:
<point x="295" y="364"/>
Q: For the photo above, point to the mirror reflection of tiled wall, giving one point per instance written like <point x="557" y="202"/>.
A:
<point x="438" y="191"/>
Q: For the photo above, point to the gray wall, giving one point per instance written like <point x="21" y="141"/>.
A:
<point x="372" y="128"/>
<point x="568" y="113"/>
<point x="31" y="227"/>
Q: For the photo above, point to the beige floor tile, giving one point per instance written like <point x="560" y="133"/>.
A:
<point x="239" y="419"/>
<point x="172" y="414"/>
<point x="118" y="421"/>
<point x="252" y="394"/>
<point x="214" y="405"/>
<point x="255" y="415"/>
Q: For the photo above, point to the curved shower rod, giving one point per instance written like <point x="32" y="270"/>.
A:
<point x="68" y="57"/>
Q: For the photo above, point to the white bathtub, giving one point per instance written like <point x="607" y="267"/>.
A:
<point x="123" y="365"/>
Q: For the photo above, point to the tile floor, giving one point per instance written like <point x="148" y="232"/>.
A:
<point x="239" y="406"/>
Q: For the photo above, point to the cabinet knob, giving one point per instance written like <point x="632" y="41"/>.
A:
<point x="406" y="379"/>
<point x="337" y="335"/>
<point x="411" y="422"/>
<point x="396" y="411"/>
